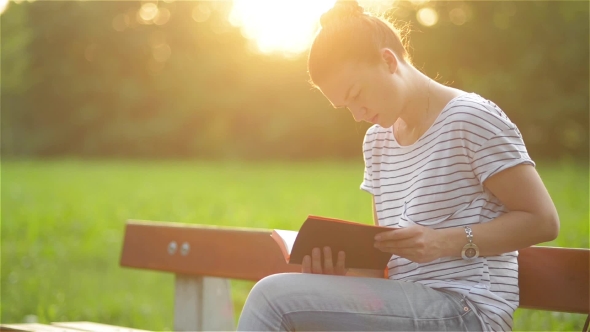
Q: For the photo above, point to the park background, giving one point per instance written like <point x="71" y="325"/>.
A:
<point x="200" y="112"/>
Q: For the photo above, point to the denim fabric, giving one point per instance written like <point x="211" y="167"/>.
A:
<point x="314" y="302"/>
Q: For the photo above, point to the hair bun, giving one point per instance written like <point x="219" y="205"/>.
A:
<point x="342" y="9"/>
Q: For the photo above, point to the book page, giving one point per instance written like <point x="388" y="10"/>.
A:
<point x="288" y="238"/>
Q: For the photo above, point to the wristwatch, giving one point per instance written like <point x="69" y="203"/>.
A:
<point x="470" y="250"/>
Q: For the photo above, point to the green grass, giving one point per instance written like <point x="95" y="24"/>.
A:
<point x="63" y="222"/>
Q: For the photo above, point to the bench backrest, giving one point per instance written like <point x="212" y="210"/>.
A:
<point x="554" y="279"/>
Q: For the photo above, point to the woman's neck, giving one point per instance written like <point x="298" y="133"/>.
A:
<point x="426" y="99"/>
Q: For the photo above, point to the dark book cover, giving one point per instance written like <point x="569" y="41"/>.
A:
<point x="355" y="239"/>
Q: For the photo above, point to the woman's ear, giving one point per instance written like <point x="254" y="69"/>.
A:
<point x="389" y="59"/>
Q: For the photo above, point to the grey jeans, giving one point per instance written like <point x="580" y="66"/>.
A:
<point x="304" y="302"/>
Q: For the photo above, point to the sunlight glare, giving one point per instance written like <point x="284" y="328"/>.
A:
<point x="3" y="6"/>
<point x="279" y="25"/>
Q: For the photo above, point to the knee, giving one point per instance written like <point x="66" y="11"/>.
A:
<point x="266" y="303"/>
<point x="269" y="296"/>
<point x="273" y="286"/>
<point x="277" y="290"/>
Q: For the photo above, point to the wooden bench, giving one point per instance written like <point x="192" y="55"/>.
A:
<point x="204" y="259"/>
<point x="65" y="327"/>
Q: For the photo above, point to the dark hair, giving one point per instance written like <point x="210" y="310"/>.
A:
<point x="348" y="33"/>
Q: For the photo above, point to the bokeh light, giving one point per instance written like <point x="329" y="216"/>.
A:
<point x="503" y="15"/>
<point x="148" y="11"/>
<point x="201" y="12"/>
<point x="427" y="16"/>
<point x="162" y="17"/>
<point x="458" y="16"/>
<point x="418" y="3"/>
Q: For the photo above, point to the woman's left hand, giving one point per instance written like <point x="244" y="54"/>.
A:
<point x="416" y="243"/>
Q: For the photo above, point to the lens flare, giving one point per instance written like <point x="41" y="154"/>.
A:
<point x="279" y="25"/>
<point x="3" y="6"/>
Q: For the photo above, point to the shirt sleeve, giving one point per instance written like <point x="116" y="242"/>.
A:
<point x="503" y="149"/>
<point x="368" y="142"/>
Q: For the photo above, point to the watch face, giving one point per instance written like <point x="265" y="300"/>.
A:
<point x="470" y="251"/>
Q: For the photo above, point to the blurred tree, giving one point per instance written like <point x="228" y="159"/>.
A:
<point x="528" y="57"/>
<point x="175" y="79"/>
<point x="16" y="78"/>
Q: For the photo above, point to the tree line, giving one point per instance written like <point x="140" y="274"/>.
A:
<point x="90" y="79"/>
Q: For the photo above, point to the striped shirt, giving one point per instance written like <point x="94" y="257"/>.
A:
<point x="437" y="182"/>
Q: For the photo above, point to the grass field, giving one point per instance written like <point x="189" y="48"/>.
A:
<point x="62" y="228"/>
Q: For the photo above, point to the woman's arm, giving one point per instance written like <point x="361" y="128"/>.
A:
<point x="532" y="219"/>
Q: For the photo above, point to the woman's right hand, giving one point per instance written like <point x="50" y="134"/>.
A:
<point x="313" y="264"/>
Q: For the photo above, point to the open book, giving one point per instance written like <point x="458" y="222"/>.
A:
<point x="355" y="239"/>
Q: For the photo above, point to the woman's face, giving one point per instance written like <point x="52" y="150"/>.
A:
<point x="367" y="90"/>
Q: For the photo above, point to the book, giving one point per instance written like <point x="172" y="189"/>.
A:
<point x="355" y="239"/>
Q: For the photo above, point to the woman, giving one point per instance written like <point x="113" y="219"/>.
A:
<point x="447" y="169"/>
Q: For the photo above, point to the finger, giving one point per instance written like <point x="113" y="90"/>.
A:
<point x="340" y="267"/>
<point x="316" y="261"/>
<point x="306" y="266"/>
<point x="328" y="265"/>
<point x="397" y="234"/>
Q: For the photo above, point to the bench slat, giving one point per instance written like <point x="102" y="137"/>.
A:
<point x="35" y="327"/>
<point x="223" y="252"/>
<point x="555" y="279"/>
<point x="95" y="327"/>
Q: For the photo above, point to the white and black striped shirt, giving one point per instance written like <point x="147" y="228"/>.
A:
<point x="437" y="182"/>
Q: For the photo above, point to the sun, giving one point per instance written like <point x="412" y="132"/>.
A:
<point x="3" y="6"/>
<point x="284" y="26"/>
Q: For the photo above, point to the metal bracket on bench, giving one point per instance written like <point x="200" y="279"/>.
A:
<point x="202" y="304"/>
